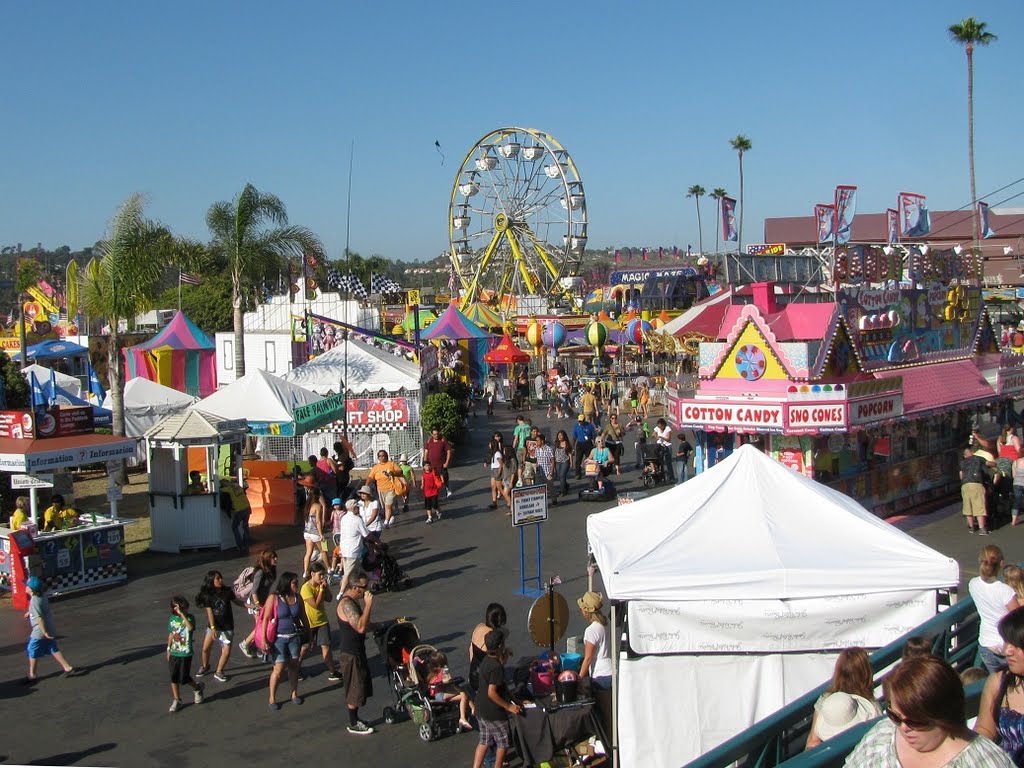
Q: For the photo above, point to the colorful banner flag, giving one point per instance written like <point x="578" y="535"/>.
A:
<point x="39" y="399"/>
<point x="986" y="228"/>
<point x="618" y="257"/>
<point x="845" y="210"/>
<point x="825" y="219"/>
<point x="643" y="254"/>
<point x="188" y="277"/>
<point x="913" y="213"/>
<point x="729" y="231"/>
<point x="892" y="226"/>
<point x="95" y="387"/>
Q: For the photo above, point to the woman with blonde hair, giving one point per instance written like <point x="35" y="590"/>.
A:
<point x="1014" y="577"/>
<point x="993" y="599"/>
<point x="849" y="700"/>
<point x="597" y="661"/>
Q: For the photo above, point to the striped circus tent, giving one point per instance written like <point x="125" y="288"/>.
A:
<point x="181" y="357"/>
<point x="483" y="316"/>
<point x="452" y="325"/>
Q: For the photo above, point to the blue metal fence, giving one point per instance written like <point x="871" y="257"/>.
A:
<point x="778" y="739"/>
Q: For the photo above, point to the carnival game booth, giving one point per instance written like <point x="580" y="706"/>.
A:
<point x="90" y="551"/>
<point x="382" y="398"/>
<point x="462" y="344"/>
<point x="146" y="403"/>
<point x="873" y="393"/>
<point x="180" y="519"/>
<point x="278" y="413"/>
<point x="735" y="592"/>
<point x="181" y="357"/>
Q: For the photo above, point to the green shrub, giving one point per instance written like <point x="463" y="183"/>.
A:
<point x="441" y="412"/>
<point x="459" y="392"/>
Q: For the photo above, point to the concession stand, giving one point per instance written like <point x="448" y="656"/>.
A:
<point x="91" y="551"/>
<point x="179" y="518"/>
<point x="871" y="386"/>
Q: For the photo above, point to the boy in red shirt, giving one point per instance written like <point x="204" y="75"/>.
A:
<point x="431" y="482"/>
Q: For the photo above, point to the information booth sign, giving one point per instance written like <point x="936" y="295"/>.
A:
<point x="529" y="507"/>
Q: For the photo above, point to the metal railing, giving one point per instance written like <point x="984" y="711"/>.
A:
<point x="778" y="739"/>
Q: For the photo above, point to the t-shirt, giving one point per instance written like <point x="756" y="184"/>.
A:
<point x="53" y="520"/>
<point x="384" y="482"/>
<point x="496" y="460"/>
<point x="181" y="634"/>
<point x="601" y="664"/>
<point x="437" y="450"/>
<point x="372" y="509"/>
<point x="336" y="517"/>
<point x="353" y="531"/>
<point x="990" y="598"/>
<point x="878" y="750"/>
<point x="519" y="435"/>
<point x="219" y="602"/>
<point x="973" y="470"/>
<point x="431" y="483"/>
<point x="491" y="673"/>
<point x="664" y="435"/>
<point x="40" y="617"/>
<point x="317" y="616"/>
<point x="545" y="457"/>
<point x="18" y="518"/>
<point x="589" y="402"/>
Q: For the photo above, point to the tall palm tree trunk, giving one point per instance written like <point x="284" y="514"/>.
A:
<point x="238" y="324"/>
<point x="718" y="222"/>
<point x="970" y="142"/>
<point x="739" y="244"/>
<point x="115" y="370"/>
<point x="700" y="230"/>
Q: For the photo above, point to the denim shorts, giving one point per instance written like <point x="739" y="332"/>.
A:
<point x="286" y="649"/>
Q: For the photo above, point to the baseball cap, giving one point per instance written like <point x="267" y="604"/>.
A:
<point x="335" y="502"/>
<point x="581" y="417"/>
<point x="34" y="583"/>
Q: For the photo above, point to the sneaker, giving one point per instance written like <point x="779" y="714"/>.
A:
<point x="437" y="515"/>
<point x="449" y="493"/>
<point x="983" y="532"/>
<point x="221" y="677"/>
<point x="202" y="671"/>
<point x="430" y="520"/>
<point x="360" y="729"/>
<point x="246" y="650"/>
<point x="334" y="677"/>
<point x="197" y="697"/>
<point x="175" y="705"/>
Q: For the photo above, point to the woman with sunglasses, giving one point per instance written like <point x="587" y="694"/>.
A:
<point x="925" y="723"/>
<point x="1001" y="711"/>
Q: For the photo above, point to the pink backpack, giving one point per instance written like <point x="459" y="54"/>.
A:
<point x="266" y="626"/>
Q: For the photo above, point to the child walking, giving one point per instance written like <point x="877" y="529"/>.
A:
<point x="42" y="640"/>
<point x="216" y="599"/>
<point x="441" y="688"/>
<point x="431" y="482"/>
<point x="410" y="480"/>
<point x="180" y="628"/>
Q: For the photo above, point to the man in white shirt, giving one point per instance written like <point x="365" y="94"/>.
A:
<point x="350" y="542"/>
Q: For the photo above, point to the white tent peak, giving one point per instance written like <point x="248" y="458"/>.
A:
<point x="366" y="369"/>
<point x="258" y="396"/>
<point x="751" y="526"/>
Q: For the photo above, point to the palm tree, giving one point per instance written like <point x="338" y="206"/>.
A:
<point x="697" y="192"/>
<point x="717" y="196"/>
<point x="969" y="33"/>
<point x="123" y="280"/>
<point x="254" y="235"/>
<point x="741" y="144"/>
<point x="27" y="275"/>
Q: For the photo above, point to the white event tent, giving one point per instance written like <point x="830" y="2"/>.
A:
<point x="741" y="586"/>
<point x="145" y="404"/>
<point x="363" y="368"/>
<point x="66" y="382"/>
<point x="267" y="402"/>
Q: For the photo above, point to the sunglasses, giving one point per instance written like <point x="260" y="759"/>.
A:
<point x="913" y="725"/>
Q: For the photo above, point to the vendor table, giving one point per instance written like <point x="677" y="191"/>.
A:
<point x="539" y="734"/>
<point x="86" y="556"/>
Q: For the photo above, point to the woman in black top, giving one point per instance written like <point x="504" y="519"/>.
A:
<point x="494" y="618"/>
<point x="216" y="599"/>
<point x="262" y="583"/>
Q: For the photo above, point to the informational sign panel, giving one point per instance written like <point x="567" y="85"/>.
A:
<point x="387" y="412"/>
<point x="31" y="481"/>
<point x="17" y="424"/>
<point x="529" y="505"/>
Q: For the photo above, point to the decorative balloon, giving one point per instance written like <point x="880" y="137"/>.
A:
<point x="534" y="332"/>
<point x="596" y="335"/>
<point x="553" y="335"/>
<point x="636" y="329"/>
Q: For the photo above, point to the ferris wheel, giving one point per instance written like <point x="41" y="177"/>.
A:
<point x="517" y="219"/>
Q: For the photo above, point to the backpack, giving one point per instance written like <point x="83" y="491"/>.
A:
<point x="266" y="626"/>
<point x="243" y="585"/>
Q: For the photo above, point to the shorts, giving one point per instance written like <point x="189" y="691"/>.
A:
<point x="493" y="733"/>
<point x="285" y="649"/>
<point x="496" y="473"/>
<point x="387" y="498"/>
<point x="223" y="637"/>
<point x="314" y="537"/>
<point x="356" y="674"/>
<point x="180" y="668"/>
<point x="348" y="564"/>
<point x="320" y="635"/>
<point x="430" y="502"/>
<point x="974" y="499"/>
<point x="529" y="472"/>
<point x="43" y="646"/>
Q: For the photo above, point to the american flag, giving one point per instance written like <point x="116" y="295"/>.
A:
<point x="383" y="284"/>
<point x="188" y="277"/>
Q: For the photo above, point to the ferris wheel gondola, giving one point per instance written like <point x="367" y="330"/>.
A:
<point x="517" y="218"/>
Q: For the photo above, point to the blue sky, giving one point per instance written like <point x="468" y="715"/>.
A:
<point x="188" y="101"/>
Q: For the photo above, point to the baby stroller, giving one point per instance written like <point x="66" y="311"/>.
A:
<point x="382" y="569"/>
<point x="407" y="661"/>
<point x="654" y="470"/>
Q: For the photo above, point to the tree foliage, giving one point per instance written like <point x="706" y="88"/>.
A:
<point x="441" y="412"/>
<point x="208" y="304"/>
<point x="16" y="386"/>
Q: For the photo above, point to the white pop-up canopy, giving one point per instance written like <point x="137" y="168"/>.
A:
<point x="362" y="367"/>
<point x="70" y="383"/>
<point x="145" y="404"/>
<point x="742" y="584"/>
<point x="267" y="402"/>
